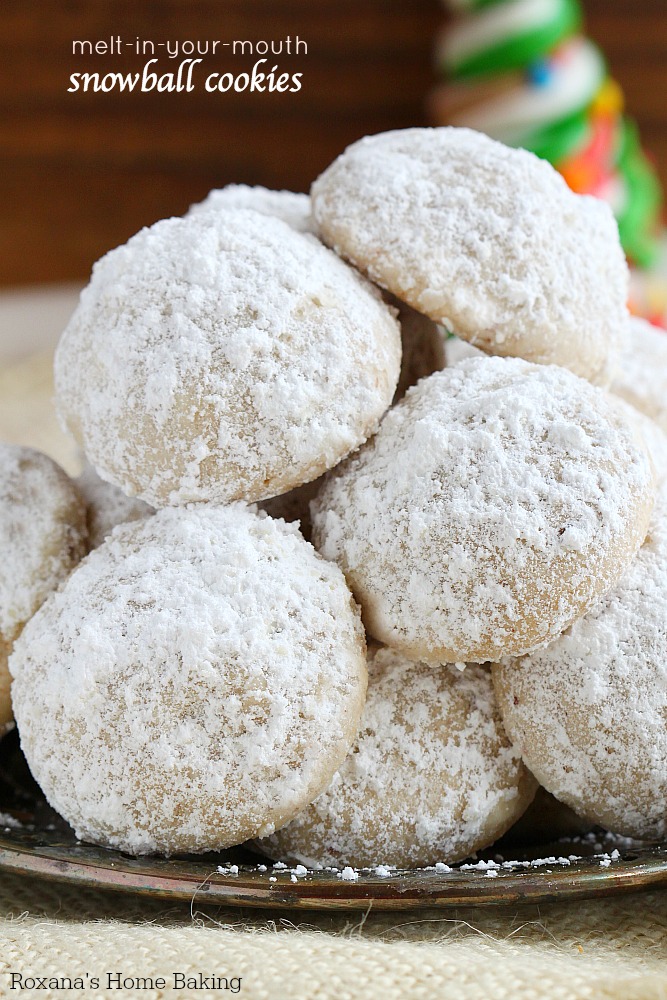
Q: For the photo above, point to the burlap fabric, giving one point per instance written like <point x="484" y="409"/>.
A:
<point x="612" y="948"/>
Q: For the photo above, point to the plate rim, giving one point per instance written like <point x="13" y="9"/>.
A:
<point x="636" y="869"/>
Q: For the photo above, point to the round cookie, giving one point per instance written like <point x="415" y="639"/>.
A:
<point x="422" y="349"/>
<point x="497" y="501"/>
<point x="291" y="207"/>
<point x="641" y="378"/>
<point x="106" y="506"/>
<point x="589" y="713"/>
<point x="486" y="240"/>
<point x="434" y="736"/>
<point x="196" y="682"/>
<point x="42" y="537"/>
<point x="651" y="435"/>
<point x="223" y="356"/>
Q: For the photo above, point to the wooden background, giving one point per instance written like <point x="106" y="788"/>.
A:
<point x="82" y="172"/>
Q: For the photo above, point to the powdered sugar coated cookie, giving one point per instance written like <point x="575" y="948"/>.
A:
<point x="223" y="356"/>
<point x="197" y="682"/>
<point x="291" y="207"/>
<point x="641" y="377"/>
<point x="487" y="240"/>
<point x="650" y="434"/>
<point x="496" y="502"/>
<point x="42" y="537"/>
<point x="433" y="736"/>
<point x="588" y="713"/>
<point x="421" y="339"/>
<point x="106" y="506"/>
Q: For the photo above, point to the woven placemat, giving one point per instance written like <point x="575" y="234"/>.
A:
<point x="610" y="948"/>
<point x="27" y="414"/>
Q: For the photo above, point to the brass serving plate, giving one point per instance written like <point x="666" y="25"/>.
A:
<point x="34" y="840"/>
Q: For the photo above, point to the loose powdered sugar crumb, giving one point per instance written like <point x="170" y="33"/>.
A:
<point x="229" y="870"/>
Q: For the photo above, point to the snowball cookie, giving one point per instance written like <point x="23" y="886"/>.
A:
<point x="589" y="713"/>
<point x="106" y="506"/>
<point x="42" y="537"/>
<point x="431" y="776"/>
<point x="197" y="682"/>
<point x="292" y="208"/>
<point x="642" y="372"/>
<point x="421" y="339"/>
<point x="650" y="433"/>
<point x="496" y="502"/>
<point x="487" y="240"/>
<point x="224" y="356"/>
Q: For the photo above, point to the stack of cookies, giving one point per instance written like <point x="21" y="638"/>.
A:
<point x="485" y="572"/>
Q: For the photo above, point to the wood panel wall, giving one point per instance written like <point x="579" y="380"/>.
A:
<point x="82" y="172"/>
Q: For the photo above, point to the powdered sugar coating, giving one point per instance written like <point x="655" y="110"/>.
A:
<point x="421" y="340"/>
<point x="496" y="502"/>
<point x="487" y="240"/>
<point x="650" y="434"/>
<point x="641" y="377"/>
<point x="196" y="682"/>
<point x="42" y="537"/>
<point x="430" y="776"/>
<point x="291" y="207"/>
<point x="106" y="506"/>
<point x="589" y="713"/>
<point x="223" y="356"/>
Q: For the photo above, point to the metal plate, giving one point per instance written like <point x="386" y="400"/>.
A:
<point x="35" y="840"/>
